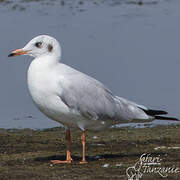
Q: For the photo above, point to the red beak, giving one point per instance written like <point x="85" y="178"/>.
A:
<point x="17" y="52"/>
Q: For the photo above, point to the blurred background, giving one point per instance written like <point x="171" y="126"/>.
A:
<point x="132" y="46"/>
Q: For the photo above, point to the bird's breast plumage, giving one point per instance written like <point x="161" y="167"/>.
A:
<point x="42" y="84"/>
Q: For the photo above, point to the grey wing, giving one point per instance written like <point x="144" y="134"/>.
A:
<point x="92" y="99"/>
<point x="88" y="97"/>
<point x="132" y="103"/>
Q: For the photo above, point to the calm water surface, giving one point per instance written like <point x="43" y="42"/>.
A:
<point x="133" y="49"/>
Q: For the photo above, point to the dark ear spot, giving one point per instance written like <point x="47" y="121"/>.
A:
<point x="50" y="47"/>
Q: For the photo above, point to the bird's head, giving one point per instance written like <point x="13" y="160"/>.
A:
<point x="39" y="46"/>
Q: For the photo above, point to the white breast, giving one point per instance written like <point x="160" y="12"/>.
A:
<point x="43" y="85"/>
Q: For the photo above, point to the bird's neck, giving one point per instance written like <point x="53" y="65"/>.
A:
<point x="44" y="62"/>
<point x="47" y="59"/>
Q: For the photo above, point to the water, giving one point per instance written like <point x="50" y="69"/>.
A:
<point x="133" y="49"/>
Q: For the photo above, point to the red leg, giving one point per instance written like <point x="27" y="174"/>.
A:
<point x="68" y="153"/>
<point x="83" y="140"/>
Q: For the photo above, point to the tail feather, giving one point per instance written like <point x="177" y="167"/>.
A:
<point x="156" y="113"/>
<point x="152" y="112"/>
<point x="166" y="118"/>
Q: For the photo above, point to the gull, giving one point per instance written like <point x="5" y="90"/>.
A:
<point x="73" y="98"/>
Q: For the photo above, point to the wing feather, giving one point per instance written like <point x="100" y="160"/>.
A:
<point x="88" y="96"/>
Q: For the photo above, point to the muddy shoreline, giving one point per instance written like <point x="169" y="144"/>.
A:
<point x="26" y="154"/>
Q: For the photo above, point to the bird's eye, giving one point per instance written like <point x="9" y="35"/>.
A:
<point x="38" y="44"/>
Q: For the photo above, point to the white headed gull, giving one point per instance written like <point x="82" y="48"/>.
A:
<point x="73" y="98"/>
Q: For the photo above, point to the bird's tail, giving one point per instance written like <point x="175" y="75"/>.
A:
<point x="157" y="114"/>
<point x="166" y="118"/>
